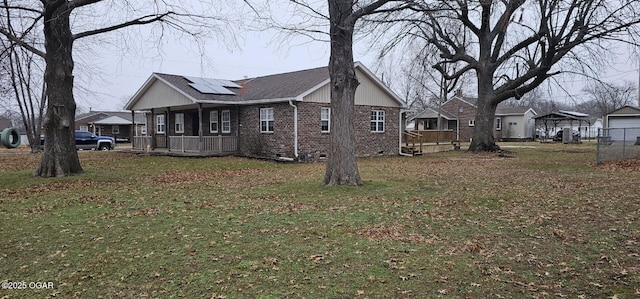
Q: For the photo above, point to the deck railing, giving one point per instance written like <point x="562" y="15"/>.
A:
<point x="435" y="136"/>
<point x="184" y="144"/>
<point x="141" y="142"/>
<point x="191" y="144"/>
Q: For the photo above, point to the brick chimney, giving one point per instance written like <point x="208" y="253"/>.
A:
<point x="243" y="83"/>
<point x="459" y="92"/>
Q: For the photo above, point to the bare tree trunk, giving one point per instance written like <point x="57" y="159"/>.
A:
<point x="483" y="140"/>
<point x="21" y="80"/>
<point x="34" y="126"/>
<point x="60" y="157"/>
<point x="342" y="167"/>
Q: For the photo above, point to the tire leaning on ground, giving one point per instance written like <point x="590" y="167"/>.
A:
<point x="10" y="138"/>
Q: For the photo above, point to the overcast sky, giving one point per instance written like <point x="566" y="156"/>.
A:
<point x="256" y="55"/>
<point x="113" y="74"/>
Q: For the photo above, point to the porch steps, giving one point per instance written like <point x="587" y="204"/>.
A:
<point x="411" y="151"/>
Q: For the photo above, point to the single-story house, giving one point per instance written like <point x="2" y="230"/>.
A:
<point x="282" y="116"/>
<point x="510" y="124"/>
<point x="428" y="120"/>
<point x="119" y="125"/>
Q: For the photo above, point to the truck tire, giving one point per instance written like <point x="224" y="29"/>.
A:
<point x="10" y="138"/>
<point x="104" y="146"/>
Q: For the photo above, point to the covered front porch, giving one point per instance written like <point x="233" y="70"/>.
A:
<point x="190" y="130"/>
<point x="205" y="145"/>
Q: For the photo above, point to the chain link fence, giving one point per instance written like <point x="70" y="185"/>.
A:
<point x="618" y="144"/>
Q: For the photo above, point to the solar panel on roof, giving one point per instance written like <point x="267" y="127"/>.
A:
<point x="212" y="86"/>
<point x="228" y="83"/>
<point x="206" y="88"/>
<point x="197" y="80"/>
<point x="574" y="113"/>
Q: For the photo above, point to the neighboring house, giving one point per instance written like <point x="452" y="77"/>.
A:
<point x="510" y="124"/>
<point x="625" y="117"/>
<point x="283" y="116"/>
<point x="119" y="125"/>
<point x="592" y="128"/>
<point x="550" y="124"/>
<point x="428" y="120"/>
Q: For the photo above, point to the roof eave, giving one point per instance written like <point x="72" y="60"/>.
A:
<point x="381" y="84"/>
<point x="147" y="85"/>
<point x="248" y="102"/>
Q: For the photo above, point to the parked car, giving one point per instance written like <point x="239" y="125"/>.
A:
<point x="86" y="140"/>
<point x="558" y="137"/>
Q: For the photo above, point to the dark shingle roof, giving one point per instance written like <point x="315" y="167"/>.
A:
<point x="506" y="109"/>
<point x="279" y="86"/>
<point x="433" y="113"/>
<point x="284" y="85"/>
<point x="182" y="84"/>
<point x="104" y="114"/>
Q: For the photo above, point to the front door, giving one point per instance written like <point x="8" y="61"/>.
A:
<point x="195" y="124"/>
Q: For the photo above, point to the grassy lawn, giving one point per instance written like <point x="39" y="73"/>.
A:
<point x="541" y="222"/>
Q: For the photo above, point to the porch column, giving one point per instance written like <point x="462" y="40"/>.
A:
<point x="167" y="129"/>
<point x="200" y="138"/>
<point x="153" y="129"/>
<point x="133" y="129"/>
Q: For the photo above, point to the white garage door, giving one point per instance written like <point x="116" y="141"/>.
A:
<point x="624" y="122"/>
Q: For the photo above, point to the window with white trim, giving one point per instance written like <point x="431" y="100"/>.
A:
<point x="498" y="124"/>
<point x="226" y="121"/>
<point x="115" y="129"/>
<point x="160" y="123"/>
<point x="213" y="121"/>
<point x="266" y="120"/>
<point x="325" y="120"/>
<point x="84" y="128"/>
<point x="377" y="120"/>
<point x="143" y="130"/>
<point x="472" y="122"/>
<point x="179" y="123"/>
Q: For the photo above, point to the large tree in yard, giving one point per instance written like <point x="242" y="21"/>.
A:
<point x="342" y="168"/>
<point x="53" y="22"/>
<point x="513" y="46"/>
<point x="307" y="18"/>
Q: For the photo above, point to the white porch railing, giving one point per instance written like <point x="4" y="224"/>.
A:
<point x="191" y="144"/>
<point x="141" y="142"/>
<point x="184" y="144"/>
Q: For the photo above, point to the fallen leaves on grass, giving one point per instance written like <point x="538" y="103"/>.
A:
<point x="185" y="177"/>
<point x="391" y="233"/>
<point x="632" y="165"/>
